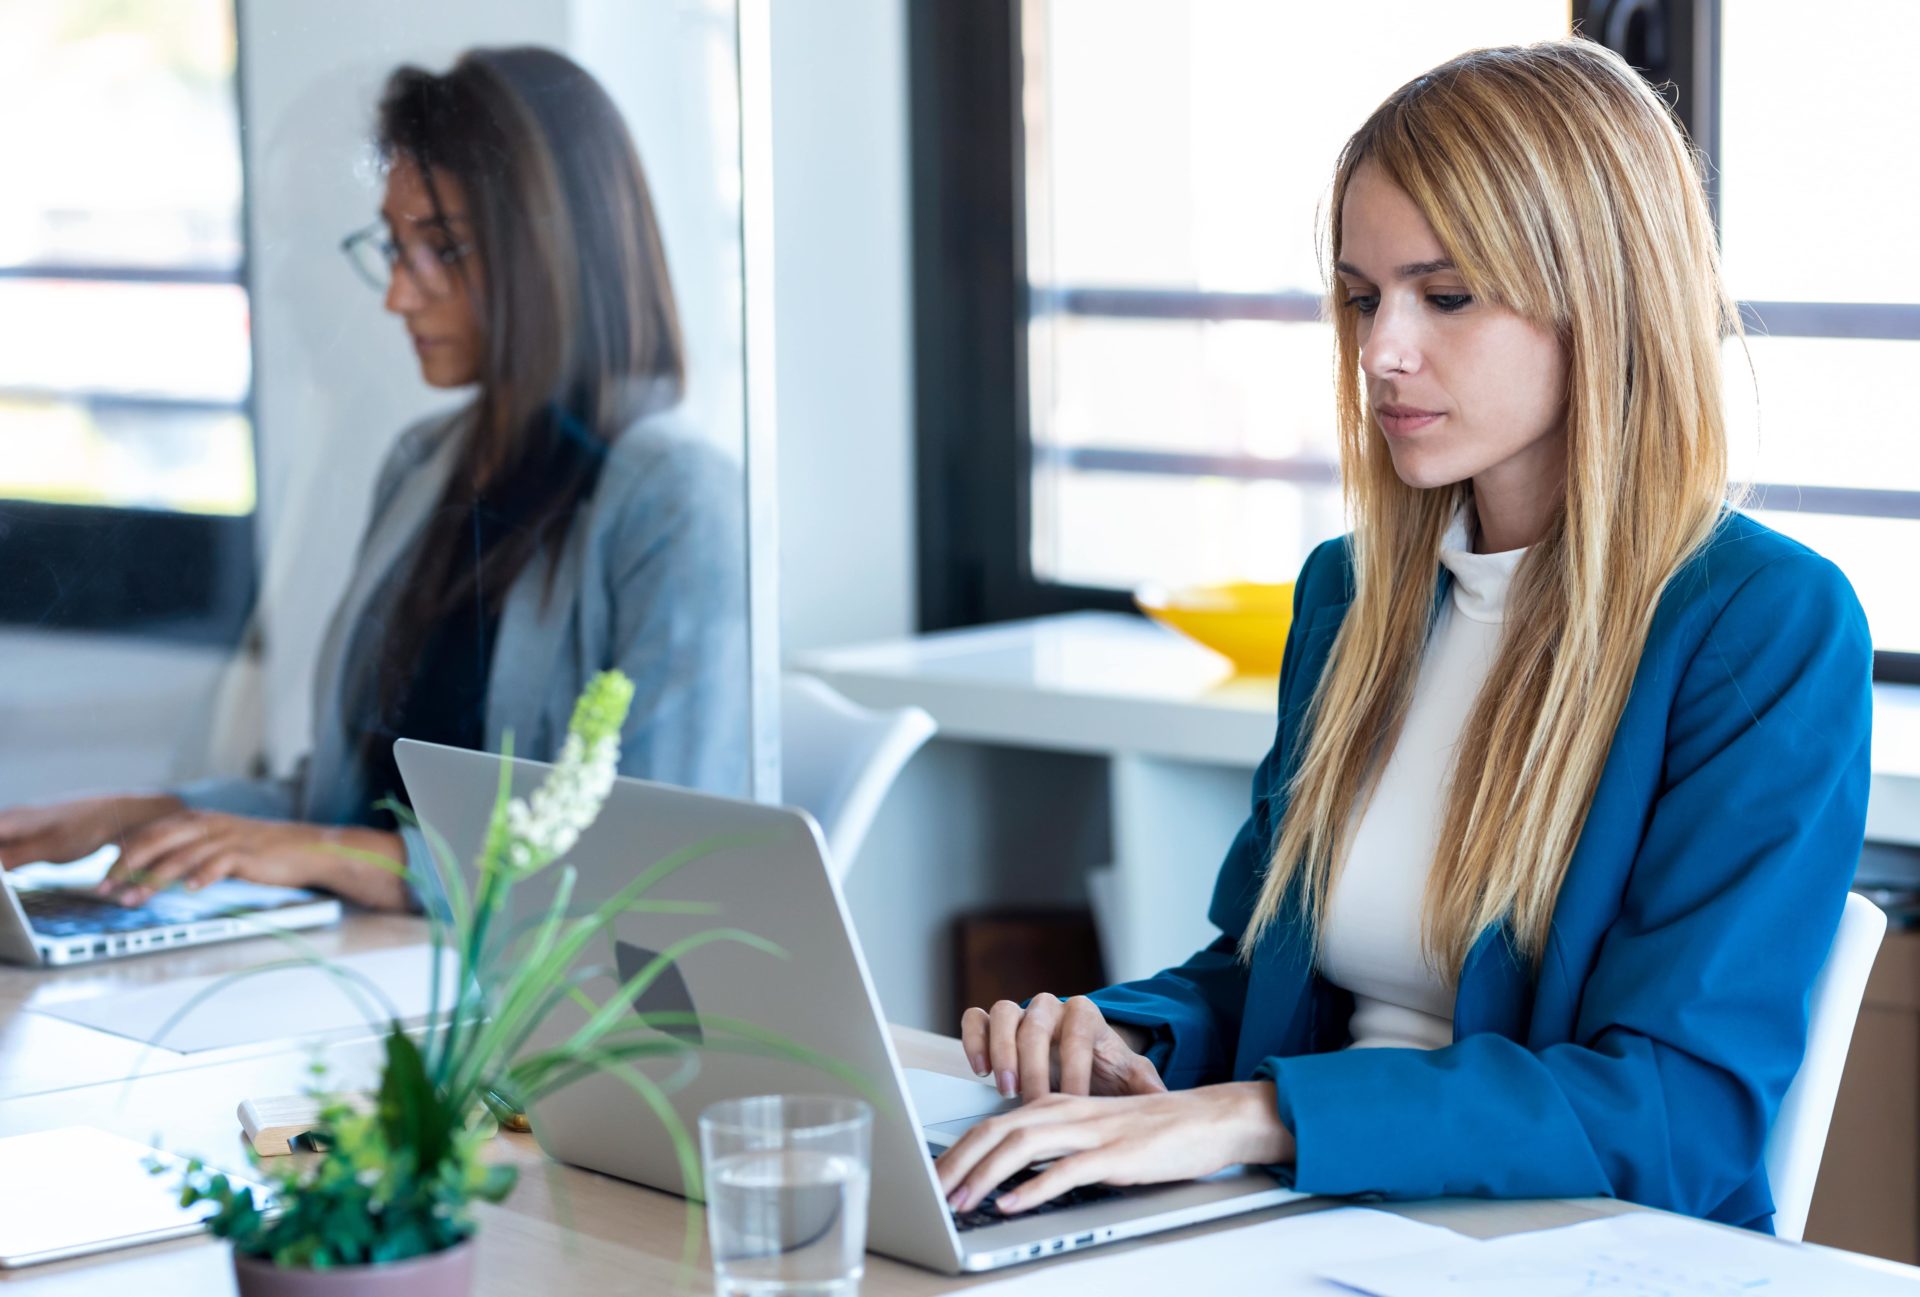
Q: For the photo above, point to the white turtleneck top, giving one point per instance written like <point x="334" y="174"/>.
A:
<point x="1371" y="943"/>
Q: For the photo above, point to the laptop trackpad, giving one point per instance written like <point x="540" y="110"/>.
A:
<point x="948" y="1106"/>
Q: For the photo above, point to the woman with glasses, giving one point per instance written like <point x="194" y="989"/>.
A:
<point x="563" y="521"/>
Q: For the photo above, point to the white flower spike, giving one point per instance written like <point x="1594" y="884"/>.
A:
<point x="544" y="827"/>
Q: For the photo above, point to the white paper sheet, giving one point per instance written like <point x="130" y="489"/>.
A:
<point x="1639" y="1254"/>
<point x="1276" y="1258"/>
<point x="77" y="1190"/>
<point x="271" y="1006"/>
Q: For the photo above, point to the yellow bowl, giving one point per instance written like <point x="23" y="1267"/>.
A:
<point x="1245" y="621"/>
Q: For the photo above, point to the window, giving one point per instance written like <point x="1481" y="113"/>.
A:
<point x="1159" y="409"/>
<point x="1815" y="217"/>
<point x="127" y="482"/>
<point x="1178" y="367"/>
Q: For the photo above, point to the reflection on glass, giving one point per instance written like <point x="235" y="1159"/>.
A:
<point x="137" y="454"/>
<point x="135" y="156"/>
<point x="565" y="499"/>
<point x="513" y="464"/>
<point x="124" y="352"/>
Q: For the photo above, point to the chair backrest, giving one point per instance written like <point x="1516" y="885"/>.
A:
<point x="837" y="760"/>
<point x="1799" y="1133"/>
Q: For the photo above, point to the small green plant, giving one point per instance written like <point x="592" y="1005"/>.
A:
<point x="398" y="1179"/>
<point x="391" y="1183"/>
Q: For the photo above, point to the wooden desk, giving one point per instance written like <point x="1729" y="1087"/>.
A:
<point x="563" y="1230"/>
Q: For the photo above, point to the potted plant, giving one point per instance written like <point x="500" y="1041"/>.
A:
<point x="385" y="1205"/>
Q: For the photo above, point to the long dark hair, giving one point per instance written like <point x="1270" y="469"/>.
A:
<point x="576" y="306"/>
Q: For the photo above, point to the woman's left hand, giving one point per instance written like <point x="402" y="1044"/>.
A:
<point x="1128" y="1139"/>
<point x="195" y="848"/>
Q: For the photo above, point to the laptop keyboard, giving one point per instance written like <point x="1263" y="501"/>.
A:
<point x="67" y="913"/>
<point x="986" y="1213"/>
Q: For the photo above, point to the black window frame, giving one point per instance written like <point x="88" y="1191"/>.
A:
<point x="141" y="573"/>
<point x="972" y="306"/>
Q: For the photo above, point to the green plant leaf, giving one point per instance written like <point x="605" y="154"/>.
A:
<point x="497" y="1183"/>
<point x="410" y="1108"/>
<point x="684" y="1151"/>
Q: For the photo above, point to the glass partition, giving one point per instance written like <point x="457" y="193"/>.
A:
<point x="342" y="402"/>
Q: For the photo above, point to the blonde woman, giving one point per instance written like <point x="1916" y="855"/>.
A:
<point x="1571" y="769"/>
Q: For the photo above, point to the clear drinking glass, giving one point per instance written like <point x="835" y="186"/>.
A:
<point x="787" y="1183"/>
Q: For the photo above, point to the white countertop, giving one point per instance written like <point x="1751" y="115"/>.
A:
<point x="1080" y="682"/>
<point x="1112" y="684"/>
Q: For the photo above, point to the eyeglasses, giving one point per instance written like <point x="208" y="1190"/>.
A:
<point x="376" y="256"/>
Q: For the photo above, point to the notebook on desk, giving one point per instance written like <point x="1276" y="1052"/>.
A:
<point x="49" y="914"/>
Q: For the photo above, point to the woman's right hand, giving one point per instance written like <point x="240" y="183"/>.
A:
<point x="1053" y="1045"/>
<point x="69" y="830"/>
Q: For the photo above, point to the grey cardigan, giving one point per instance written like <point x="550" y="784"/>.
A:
<point x="652" y="580"/>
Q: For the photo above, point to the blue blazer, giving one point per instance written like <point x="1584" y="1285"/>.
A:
<point x="1647" y="1058"/>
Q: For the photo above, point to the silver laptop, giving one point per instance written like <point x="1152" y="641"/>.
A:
<point x="49" y="914"/>
<point x="773" y="882"/>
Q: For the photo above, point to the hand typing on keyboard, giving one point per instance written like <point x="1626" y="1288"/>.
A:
<point x="1120" y="1140"/>
<point x="65" y="831"/>
<point x="193" y="849"/>
<point x="1051" y="1045"/>
<point x="989" y="1211"/>
<point x="1113" y="1121"/>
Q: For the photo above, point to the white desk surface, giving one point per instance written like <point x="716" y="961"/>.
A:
<point x="1113" y="684"/>
<point x="1079" y="682"/>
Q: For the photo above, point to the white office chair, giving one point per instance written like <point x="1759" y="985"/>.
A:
<point x="1799" y="1133"/>
<point x="837" y="760"/>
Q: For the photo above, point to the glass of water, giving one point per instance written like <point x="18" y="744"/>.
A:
<point x="787" y="1194"/>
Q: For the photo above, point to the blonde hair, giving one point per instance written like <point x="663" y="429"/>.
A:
<point x="1561" y="188"/>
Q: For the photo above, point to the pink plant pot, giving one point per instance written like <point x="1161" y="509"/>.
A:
<point x="441" y="1274"/>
